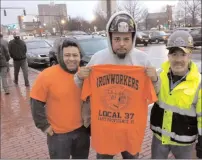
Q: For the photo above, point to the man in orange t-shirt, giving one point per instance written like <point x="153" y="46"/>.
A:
<point x="56" y="106"/>
<point x="119" y="97"/>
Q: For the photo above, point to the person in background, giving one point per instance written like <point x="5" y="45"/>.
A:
<point x="5" y="44"/>
<point x="4" y="58"/>
<point x="18" y="50"/>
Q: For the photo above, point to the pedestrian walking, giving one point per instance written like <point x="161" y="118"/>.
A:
<point x="4" y="58"/>
<point x="5" y="44"/>
<point x="18" y="50"/>
<point x="56" y="106"/>
<point x="176" y="119"/>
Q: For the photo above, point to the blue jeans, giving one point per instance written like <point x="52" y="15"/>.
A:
<point x="75" y="144"/>
<point x="125" y="155"/>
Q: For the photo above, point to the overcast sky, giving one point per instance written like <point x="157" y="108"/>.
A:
<point x="74" y="8"/>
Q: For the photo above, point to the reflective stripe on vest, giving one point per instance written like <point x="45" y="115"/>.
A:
<point x="173" y="135"/>
<point x="199" y="114"/>
<point x="200" y="131"/>
<point x="191" y="112"/>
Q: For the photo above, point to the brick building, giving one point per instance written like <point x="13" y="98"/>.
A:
<point x="59" y="11"/>
<point x="163" y="19"/>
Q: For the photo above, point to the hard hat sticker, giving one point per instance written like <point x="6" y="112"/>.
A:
<point x="123" y="27"/>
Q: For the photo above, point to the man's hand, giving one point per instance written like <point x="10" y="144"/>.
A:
<point x="83" y="72"/>
<point x="151" y="72"/>
<point x="49" y="131"/>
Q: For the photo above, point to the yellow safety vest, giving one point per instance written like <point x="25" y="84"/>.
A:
<point x="176" y="117"/>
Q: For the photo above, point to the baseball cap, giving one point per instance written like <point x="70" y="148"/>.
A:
<point x="185" y="49"/>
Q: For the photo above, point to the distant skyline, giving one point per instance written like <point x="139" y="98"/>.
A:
<point x="75" y="8"/>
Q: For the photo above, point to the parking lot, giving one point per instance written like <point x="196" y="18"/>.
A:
<point x="157" y="55"/>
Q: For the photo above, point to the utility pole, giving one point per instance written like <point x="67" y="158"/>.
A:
<point x="185" y="17"/>
<point x="108" y="9"/>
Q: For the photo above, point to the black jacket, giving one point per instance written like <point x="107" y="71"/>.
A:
<point x="39" y="114"/>
<point x="17" y="49"/>
<point x="4" y="56"/>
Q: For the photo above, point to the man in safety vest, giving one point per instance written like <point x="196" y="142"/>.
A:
<point x="176" y="119"/>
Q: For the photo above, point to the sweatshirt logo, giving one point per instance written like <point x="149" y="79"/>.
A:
<point x="116" y="97"/>
<point x="116" y="89"/>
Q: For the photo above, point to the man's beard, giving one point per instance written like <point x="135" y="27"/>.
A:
<point x="71" y="71"/>
<point x="120" y="55"/>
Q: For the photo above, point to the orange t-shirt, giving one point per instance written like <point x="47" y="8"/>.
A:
<point x="58" y="90"/>
<point x="119" y="97"/>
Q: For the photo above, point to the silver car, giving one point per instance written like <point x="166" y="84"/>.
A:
<point x="37" y="52"/>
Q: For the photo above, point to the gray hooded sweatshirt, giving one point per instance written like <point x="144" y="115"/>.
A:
<point x="134" y="58"/>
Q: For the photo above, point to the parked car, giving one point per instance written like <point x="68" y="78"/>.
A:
<point x="50" y="42"/>
<point x="196" y="34"/>
<point x="169" y="32"/>
<point x="159" y="36"/>
<point x="142" y="38"/>
<point x="29" y="36"/>
<point x="74" y="33"/>
<point x="37" y="52"/>
<point x="103" y="33"/>
<point x="189" y="29"/>
<point x="89" y="45"/>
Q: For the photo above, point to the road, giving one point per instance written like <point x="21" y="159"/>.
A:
<point x="157" y="55"/>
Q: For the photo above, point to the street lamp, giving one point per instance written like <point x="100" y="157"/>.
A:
<point x="62" y="27"/>
<point x="63" y="21"/>
<point x="92" y="18"/>
<point x="22" y="18"/>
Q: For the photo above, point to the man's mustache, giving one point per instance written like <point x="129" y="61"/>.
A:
<point x="178" y="63"/>
<point x="121" y="49"/>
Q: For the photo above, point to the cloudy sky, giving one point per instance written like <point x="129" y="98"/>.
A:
<point x="74" y="8"/>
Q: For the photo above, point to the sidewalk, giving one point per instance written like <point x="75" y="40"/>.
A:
<point x="19" y="136"/>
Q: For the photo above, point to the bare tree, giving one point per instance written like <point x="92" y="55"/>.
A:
<point x="135" y="8"/>
<point x="100" y="19"/>
<point x="78" y="23"/>
<point x="145" y="15"/>
<point x="191" y="8"/>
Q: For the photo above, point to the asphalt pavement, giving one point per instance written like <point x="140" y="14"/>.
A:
<point x="157" y="55"/>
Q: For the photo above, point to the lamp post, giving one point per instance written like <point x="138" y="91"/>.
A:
<point x="169" y="24"/>
<point x="158" y="24"/>
<point x="179" y="21"/>
<point x="62" y="22"/>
